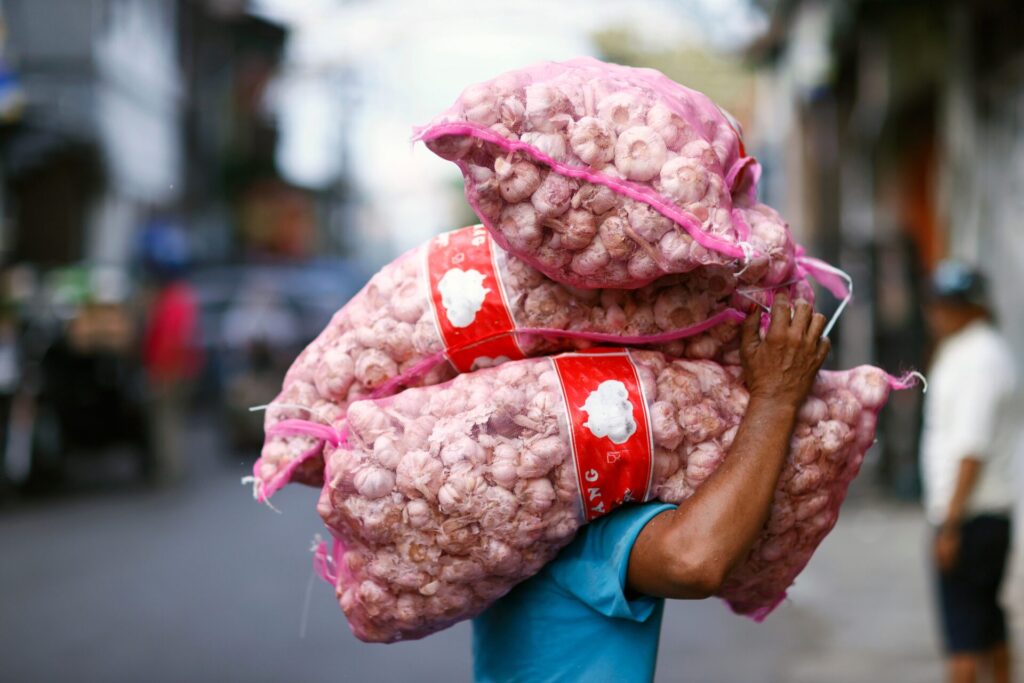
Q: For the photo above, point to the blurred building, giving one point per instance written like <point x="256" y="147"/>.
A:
<point x="890" y="135"/>
<point x="143" y="108"/>
<point x="99" y="141"/>
<point x="234" y="195"/>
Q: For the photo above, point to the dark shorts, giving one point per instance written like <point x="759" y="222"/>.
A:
<point x="972" y="619"/>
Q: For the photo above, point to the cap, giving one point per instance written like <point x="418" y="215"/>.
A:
<point x="958" y="282"/>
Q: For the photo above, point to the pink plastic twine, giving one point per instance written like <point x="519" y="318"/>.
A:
<point x="836" y="281"/>
<point x="908" y="380"/>
<point x="325" y="563"/>
<point x="321" y="433"/>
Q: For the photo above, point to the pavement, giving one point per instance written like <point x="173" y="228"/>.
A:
<point x="113" y="582"/>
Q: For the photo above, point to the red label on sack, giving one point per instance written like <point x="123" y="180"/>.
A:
<point x="609" y="427"/>
<point x="468" y="300"/>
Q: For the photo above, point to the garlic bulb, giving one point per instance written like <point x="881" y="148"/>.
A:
<point x="478" y="105"/>
<point x="671" y="127"/>
<point x="593" y="141"/>
<point x="684" y="180"/>
<point x="551" y="144"/>
<point x="516" y="180"/>
<point x="639" y="153"/>
<point x="553" y="196"/>
<point x="622" y="110"/>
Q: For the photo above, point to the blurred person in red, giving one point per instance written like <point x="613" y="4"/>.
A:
<point x="170" y="353"/>
<point x="966" y="460"/>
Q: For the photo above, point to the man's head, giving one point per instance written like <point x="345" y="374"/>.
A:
<point x="958" y="296"/>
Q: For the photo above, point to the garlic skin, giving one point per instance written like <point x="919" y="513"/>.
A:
<point x="622" y="111"/>
<point x="521" y="227"/>
<point x="593" y="141"/>
<point x="597" y="199"/>
<point x="640" y="153"/>
<point x="577" y="229"/>
<point x="614" y="235"/>
<point x="671" y="127"/>
<point x="553" y="196"/>
<point x="683" y="179"/>
<point x="451" y="147"/>
<point x="592" y="259"/>
<point x="546" y="108"/>
<point x="516" y="180"/>
<point x="551" y="144"/>
<point x="478" y="105"/>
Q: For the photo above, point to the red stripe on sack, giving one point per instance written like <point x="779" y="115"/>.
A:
<point x="611" y="442"/>
<point x="467" y="298"/>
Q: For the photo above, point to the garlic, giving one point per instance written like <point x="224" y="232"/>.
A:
<point x="598" y="199"/>
<point x="516" y="180"/>
<point x="546" y="107"/>
<point x="639" y="153"/>
<point x="622" y="110"/>
<point x="683" y="180"/>
<point x="551" y="144"/>
<point x="591" y="260"/>
<point x="593" y="141"/>
<point x="613" y="232"/>
<point x="373" y="367"/>
<point x="503" y="130"/>
<point x="374" y="482"/>
<point x="511" y="113"/>
<point x="647" y="223"/>
<point x="675" y="249"/>
<point x="478" y="105"/>
<point x="576" y="228"/>
<point x="671" y="127"/>
<point x="520" y="227"/>
<point x="642" y="267"/>
<point x="554" y="195"/>
<point x="701" y="152"/>
<point x="451" y="147"/>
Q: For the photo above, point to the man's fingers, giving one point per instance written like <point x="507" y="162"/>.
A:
<point x="782" y="314"/>
<point x="817" y="326"/>
<point x="749" y="337"/>
<point x="801" y="318"/>
<point x="821" y="352"/>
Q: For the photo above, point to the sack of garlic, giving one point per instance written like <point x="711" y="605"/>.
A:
<point x="445" y="497"/>
<point x="601" y="175"/>
<point x="459" y="303"/>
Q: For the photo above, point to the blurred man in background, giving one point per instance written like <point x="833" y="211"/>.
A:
<point x="966" y="459"/>
<point x="169" y="350"/>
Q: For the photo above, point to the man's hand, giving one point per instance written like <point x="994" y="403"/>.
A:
<point x="688" y="552"/>
<point x="783" y="365"/>
<point x="947" y="548"/>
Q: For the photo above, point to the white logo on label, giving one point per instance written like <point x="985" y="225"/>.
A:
<point x="462" y="295"/>
<point x="610" y="412"/>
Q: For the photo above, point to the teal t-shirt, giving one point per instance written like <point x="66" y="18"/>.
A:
<point x="573" y="621"/>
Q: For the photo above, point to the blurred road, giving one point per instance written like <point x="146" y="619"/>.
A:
<point x="201" y="584"/>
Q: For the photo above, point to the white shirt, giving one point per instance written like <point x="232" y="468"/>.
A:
<point x="967" y="413"/>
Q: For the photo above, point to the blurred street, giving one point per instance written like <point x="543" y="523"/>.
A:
<point x="206" y="586"/>
<point x="191" y="189"/>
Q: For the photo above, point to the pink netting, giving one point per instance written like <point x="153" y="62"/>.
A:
<point x="445" y="497"/>
<point x="601" y="175"/>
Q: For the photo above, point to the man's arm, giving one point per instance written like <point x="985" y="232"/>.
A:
<point x="689" y="551"/>
<point x="947" y="543"/>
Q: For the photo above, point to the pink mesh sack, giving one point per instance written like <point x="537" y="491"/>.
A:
<point x="443" y="498"/>
<point x="460" y="302"/>
<point x="602" y="175"/>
